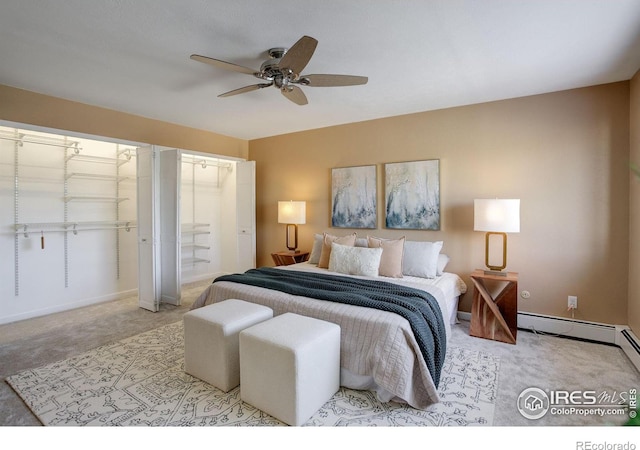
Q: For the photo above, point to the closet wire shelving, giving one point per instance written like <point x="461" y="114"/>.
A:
<point x="122" y="156"/>
<point x="194" y="229"/>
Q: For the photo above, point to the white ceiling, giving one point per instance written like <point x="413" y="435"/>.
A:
<point x="419" y="55"/>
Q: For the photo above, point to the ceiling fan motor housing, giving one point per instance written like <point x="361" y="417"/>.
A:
<point x="269" y="69"/>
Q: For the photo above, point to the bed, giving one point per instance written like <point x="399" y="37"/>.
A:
<point x="379" y="351"/>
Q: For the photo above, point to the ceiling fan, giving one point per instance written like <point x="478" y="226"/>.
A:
<point x="283" y="70"/>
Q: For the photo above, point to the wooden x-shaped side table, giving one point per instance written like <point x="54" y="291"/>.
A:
<point x="495" y="316"/>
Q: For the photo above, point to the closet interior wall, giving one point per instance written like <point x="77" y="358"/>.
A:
<point x="67" y="222"/>
<point x="208" y="218"/>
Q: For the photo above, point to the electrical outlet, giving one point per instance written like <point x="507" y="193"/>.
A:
<point x="525" y="294"/>
<point x="572" y="302"/>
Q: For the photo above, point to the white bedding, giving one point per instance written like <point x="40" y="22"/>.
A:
<point x="378" y="349"/>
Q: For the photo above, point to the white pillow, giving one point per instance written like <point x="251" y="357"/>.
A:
<point x="443" y="260"/>
<point x="354" y="260"/>
<point x="420" y="259"/>
<point x="314" y="257"/>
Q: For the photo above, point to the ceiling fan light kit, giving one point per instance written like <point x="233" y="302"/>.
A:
<point x="283" y="70"/>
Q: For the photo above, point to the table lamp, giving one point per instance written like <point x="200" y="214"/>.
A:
<point x="292" y="214"/>
<point x="496" y="217"/>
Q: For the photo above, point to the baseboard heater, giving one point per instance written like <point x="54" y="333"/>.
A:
<point x="618" y="335"/>
<point x="630" y="344"/>
<point x="580" y="329"/>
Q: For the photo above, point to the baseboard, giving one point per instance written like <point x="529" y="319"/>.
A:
<point x="630" y="344"/>
<point x="68" y="306"/>
<point x="618" y="335"/>
<point x="580" y="329"/>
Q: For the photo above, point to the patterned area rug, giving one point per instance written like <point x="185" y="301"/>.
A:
<point x="140" y="381"/>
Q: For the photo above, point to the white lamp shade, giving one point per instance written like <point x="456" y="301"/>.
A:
<point x="499" y="215"/>
<point x="292" y="212"/>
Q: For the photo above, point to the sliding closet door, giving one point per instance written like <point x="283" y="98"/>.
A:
<point x="169" y="219"/>
<point x="148" y="264"/>
<point x="246" y="215"/>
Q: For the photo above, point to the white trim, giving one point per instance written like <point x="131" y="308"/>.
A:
<point x="592" y="331"/>
<point x="619" y="335"/>
<point x="68" y="306"/>
<point x="560" y="326"/>
<point x="203" y="154"/>
<point x="630" y="344"/>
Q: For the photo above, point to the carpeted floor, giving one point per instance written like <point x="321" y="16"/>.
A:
<point x="545" y="362"/>
<point x="140" y="381"/>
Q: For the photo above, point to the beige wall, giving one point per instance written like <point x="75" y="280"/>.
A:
<point x="565" y="155"/>
<point x="27" y="107"/>
<point x="634" y="226"/>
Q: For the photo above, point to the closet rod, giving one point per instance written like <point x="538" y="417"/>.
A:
<point x="95" y="176"/>
<point x="26" y="228"/>
<point x="74" y="231"/>
<point x="205" y="163"/>
<point x="72" y="144"/>
<point x="76" y="223"/>
<point x="96" y="159"/>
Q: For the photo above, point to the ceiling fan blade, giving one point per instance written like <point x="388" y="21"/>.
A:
<point x="295" y="94"/>
<point x="223" y="64"/>
<point x="326" y="80"/>
<point x="298" y="56"/>
<point x="242" y="90"/>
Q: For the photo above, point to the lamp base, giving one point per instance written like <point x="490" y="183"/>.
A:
<point x="292" y="229"/>
<point x="496" y="273"/>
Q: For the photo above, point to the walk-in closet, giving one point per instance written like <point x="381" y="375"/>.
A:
<point x="204" y="201"/>
<point x="69" y="219"/>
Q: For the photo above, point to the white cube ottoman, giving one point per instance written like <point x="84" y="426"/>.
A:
<point x="290" y="366"/>
<point x="211" y="347"/>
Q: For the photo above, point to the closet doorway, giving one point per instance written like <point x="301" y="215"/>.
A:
<point x="68" y="221"/>
<point x="196" y="220"/>
<point x="71" y="213"/>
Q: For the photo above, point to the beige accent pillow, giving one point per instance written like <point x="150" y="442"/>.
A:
<point x="392" y="251"/>
<point x="328" y="239"/>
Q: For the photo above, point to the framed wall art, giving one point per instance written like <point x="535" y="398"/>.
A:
<point x="412" y="195"/>
<point x="354" y="197"/>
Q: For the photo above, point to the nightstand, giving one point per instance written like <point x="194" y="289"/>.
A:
<point x="287" y="258"/>
<point x="494" y="312"/>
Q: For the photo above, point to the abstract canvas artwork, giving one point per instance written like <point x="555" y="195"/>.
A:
<point x="412" y="195"/>
<point x="354" y="197"/>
